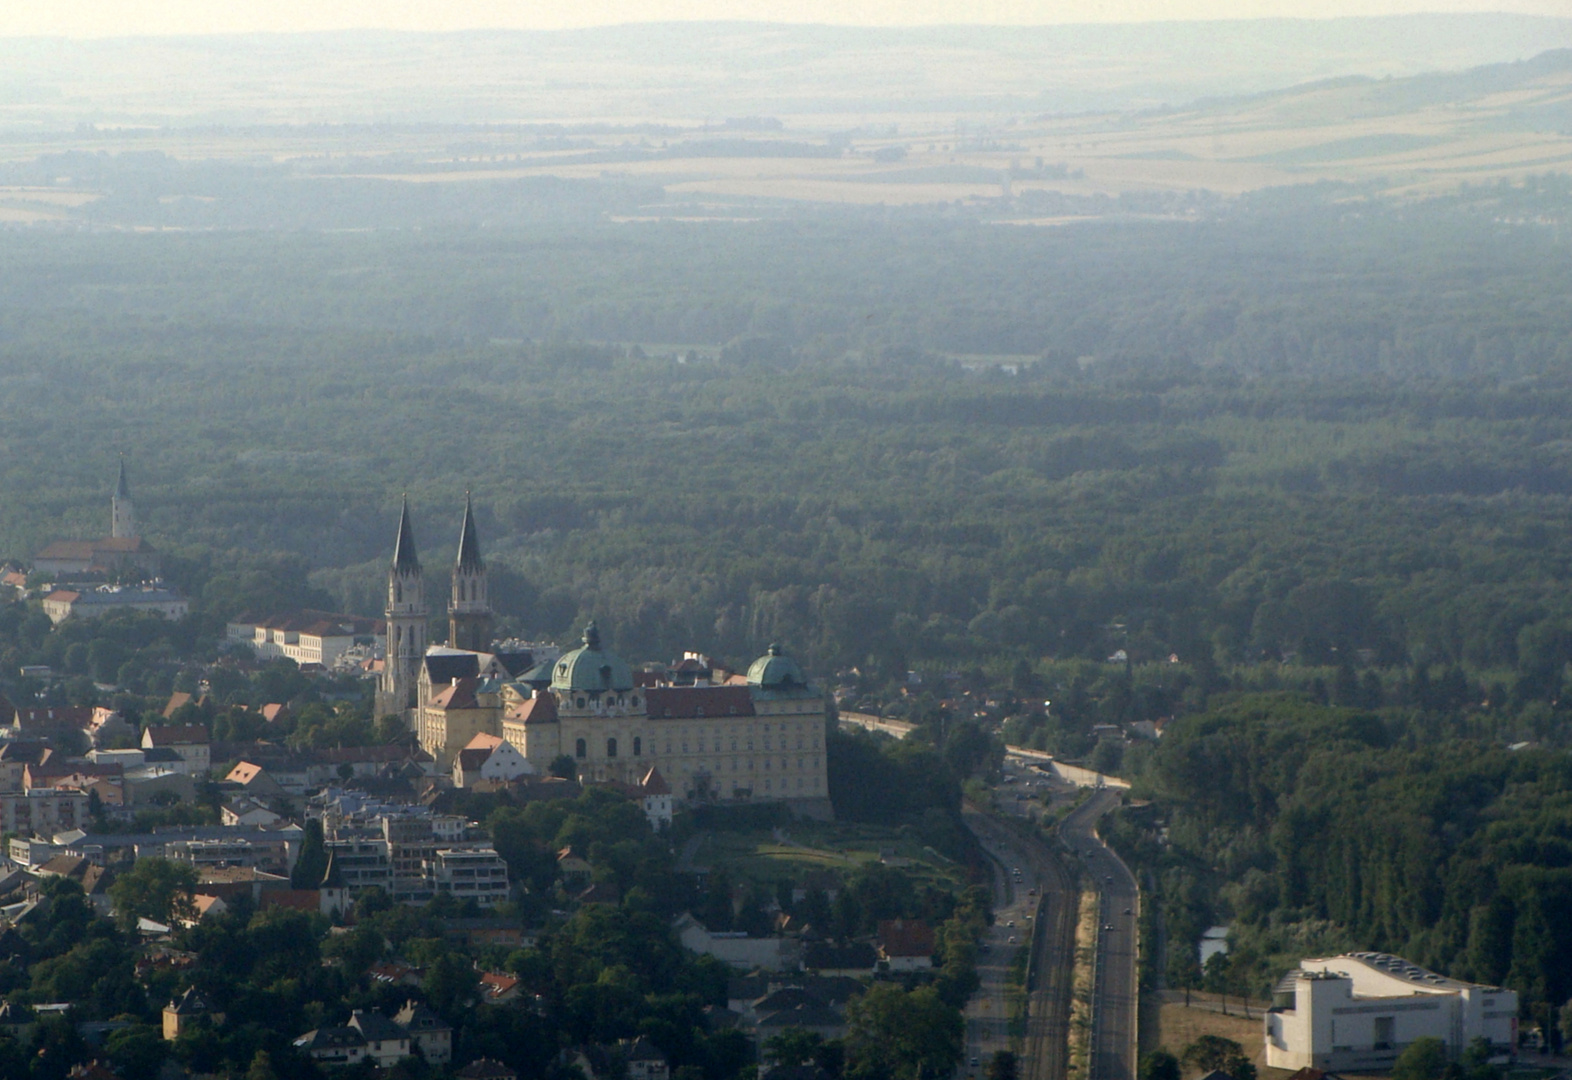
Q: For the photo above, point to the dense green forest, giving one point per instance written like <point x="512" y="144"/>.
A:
<point x="1305" y="461"/>
<point x="1331" y="435"/>
<point x="1313" y="829"/>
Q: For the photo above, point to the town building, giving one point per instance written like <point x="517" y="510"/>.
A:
<point x="715" y="737"/>
<point x="428" y="1032"/>
<point x="63" y="604"/>
<point x="305" y="636"/>
<point x="272" y="853"/>
<point x="43" y="811"/>
<point x="906" y="944"/>
<point x="737" y="948"/>
<point x="1359" y="1011"/>
<point x="122" y="551"/>
<point x="415" y="856"/>
<point x="491" y="760"/>
<point x="645" y="1060"/>
<point x="190" y="741"/>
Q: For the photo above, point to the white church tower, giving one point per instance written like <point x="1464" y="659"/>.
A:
<point x="122" y="519"/>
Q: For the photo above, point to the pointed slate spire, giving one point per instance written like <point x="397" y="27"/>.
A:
<point x="122" y="489"/>
<point x="469" y="541"/>
<point x="404" y="557"/>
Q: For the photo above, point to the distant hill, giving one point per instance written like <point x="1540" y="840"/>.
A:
<point x="693" y="71"/>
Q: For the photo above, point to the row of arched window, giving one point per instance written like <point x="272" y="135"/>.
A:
<point x="581" y="747"/>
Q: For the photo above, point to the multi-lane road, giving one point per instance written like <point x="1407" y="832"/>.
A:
<point x="1047" y="875"/>
<point x="1044" y="893"/>
<point x="1115" y="997"/>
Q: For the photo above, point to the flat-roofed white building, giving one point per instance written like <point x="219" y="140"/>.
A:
<point x="1359" y="1011"/>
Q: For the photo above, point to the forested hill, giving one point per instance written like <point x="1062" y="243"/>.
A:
<point x="1303" y="434"/>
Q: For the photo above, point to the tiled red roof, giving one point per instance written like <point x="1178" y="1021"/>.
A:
<point x="540" y="709"/>
<point x="67" y="549"/>
<point x="459" y="694"/>
<point x="471" y="758"/>
<point x="70" y="715"/>
<point x="698" y="702"/>
<point x="905" y="937"/>
<point x="298" y="899"/>
<point x="497" y="984"/>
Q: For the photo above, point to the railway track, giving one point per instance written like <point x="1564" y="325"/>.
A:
<point x="1050" y="971"/>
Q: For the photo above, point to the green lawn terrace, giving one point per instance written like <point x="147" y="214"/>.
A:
<point x="817" y="852"/>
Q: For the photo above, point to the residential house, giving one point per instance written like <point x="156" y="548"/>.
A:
<point x="254" y="780"/>
<point x="906" y="944"/>
<point x="386" y="1043"/>
<point x="853" y="959"/>
<point x="497" y="987"/>
<point x="646" y="1061"/>
<point x="182" y="1012"/>
<point x="333" y="1046"/>
<point x="489" y="759"/>
<point x="429" y="1034"/>
<point x="574" y="869"/>
<point x="244" y="810"/>
<point x="190" y="741"/>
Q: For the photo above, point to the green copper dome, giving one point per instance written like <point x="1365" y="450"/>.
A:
<point x="591" y="668"/>
<point x="776" y="671"/>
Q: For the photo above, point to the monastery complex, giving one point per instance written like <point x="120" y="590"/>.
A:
<point x="713" y="736"/>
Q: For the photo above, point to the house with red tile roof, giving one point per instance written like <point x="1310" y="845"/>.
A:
<point x="906" y="944"/>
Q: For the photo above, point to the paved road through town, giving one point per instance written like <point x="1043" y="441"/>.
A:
<point x="1046" y="891"/>
<point x="1116" y="1000"/>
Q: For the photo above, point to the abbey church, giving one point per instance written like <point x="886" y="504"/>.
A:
<point x="710" y="735"/>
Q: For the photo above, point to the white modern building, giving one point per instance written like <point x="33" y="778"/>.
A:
<point x="1359" y="1011"/>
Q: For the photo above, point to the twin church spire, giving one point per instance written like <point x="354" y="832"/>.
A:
<point x="469" y="608"/>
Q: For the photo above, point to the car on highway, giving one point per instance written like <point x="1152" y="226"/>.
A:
<point x="974" y="1063"/>
<point x="1127" y="911"/>
<point x="1011" y="941"/>
<point x="1010" y="924"/>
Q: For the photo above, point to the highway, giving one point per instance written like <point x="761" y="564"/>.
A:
<point x="1116" y="999"/>
<point x="1048" y="1012"/>
<point x="1116" y="994"/>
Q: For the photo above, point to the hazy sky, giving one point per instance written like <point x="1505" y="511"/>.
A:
<point x="101" y="18"/>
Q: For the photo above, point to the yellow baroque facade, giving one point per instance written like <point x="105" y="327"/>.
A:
<point x="758" y="738"/>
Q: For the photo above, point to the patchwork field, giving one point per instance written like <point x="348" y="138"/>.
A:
<point x="947" y="141"/>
